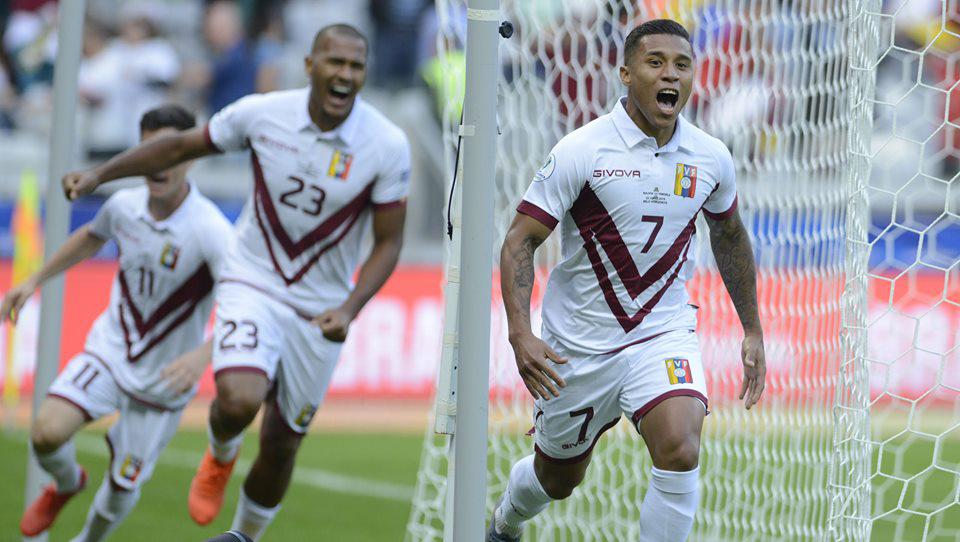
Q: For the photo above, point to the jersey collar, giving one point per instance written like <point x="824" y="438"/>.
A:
<point x="632" y="135"/>
<point x="164" y="224"/>
<point x="346" y="131"/>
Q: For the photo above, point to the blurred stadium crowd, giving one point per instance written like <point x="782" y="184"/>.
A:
<point x="206" y="53"/>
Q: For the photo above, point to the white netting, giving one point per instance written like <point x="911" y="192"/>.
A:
<point x="896" y="473"/>
<point x="789" y="86"/>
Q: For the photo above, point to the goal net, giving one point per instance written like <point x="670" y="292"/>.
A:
<point x="841" y="118"/>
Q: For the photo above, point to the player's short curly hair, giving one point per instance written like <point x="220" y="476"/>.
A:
<point x="655" y="26"/>
<point x="167" y="116"/>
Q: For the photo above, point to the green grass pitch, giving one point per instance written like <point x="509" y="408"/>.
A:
<point x="354" y="487"/>
<point x="347" y="487"/>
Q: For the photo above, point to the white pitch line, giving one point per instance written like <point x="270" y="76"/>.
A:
<point x="316" y="478"/>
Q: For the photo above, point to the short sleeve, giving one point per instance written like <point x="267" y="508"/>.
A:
<point x="228" y="129"/>
<point x="393" y="183"/>
<point x="722" y="202"/>
<point x="218" y="243"/>
<point x="555" y="187"/>
<point x="102" y="223"/>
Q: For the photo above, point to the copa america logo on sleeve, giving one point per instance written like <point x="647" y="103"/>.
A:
<point x="547" y="170"/>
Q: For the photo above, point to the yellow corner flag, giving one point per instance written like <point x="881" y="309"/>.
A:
<point x="27" y="258"/>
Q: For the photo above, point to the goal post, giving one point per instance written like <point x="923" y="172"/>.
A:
<point x="56" y="216"/>
<point x="843" y="119"/>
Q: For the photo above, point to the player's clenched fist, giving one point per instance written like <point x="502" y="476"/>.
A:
<point x="334" y="324"/>
<point x="77" y="184"/>
<point x="532" y="354"/>
<point x="15" y="299"/>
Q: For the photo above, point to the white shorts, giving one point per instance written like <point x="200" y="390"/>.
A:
<point x="139" y="435"/>
<point x="258" y="332"/>
<point x="602" y="387"/>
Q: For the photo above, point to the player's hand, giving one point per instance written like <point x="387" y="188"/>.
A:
<point x="532" y="355"/>
<point x="15" y="299"/>
<point x="185" y="371"/>
<point x="77" y="184"/>
<point x="334" y="324"/>
<point x="754" y="369"/>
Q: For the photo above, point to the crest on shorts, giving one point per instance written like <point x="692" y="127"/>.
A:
<point x="306" y="414"/>
<point x="131" y="467"/>
<point x="685" y="184"/>
<point x="169" y="256"/>
<point x="340" y="165"/>
<point x="678" y="371"/>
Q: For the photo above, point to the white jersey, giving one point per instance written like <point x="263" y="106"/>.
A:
<point x="160" y="301"/>
<point x="299" y="235"/>
<point x="627" y="211"/>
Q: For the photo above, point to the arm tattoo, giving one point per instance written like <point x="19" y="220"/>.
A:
<point x="523" y="278"/>
<point x="734" y="255"/>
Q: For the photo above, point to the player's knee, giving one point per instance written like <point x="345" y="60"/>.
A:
<point x="559" y="489"/>
<point x="46" y="437"/>
<point x="682" y="454"/>
<point x="239" y="403"/>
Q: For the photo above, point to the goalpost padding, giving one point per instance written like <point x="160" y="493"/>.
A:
<point x="853" y="440"/>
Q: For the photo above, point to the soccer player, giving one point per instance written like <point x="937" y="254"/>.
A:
<point x="324" y="164"/>
<point x="618" y="331"/>
<point x="145" y="353"/>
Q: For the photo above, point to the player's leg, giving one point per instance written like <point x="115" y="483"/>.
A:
<point x="136" y="441"/>
<point x="672" y="433"/>
<point x="307" y="364"/>
<point x="246" y="350"/>
<point x="666" y="398"/>
<point x="270" y="474"/>
<point x="239" y="396"/>
<point x="51" y="437"/>
<point x="566" y="428"/>
<point x="82" y="392"/>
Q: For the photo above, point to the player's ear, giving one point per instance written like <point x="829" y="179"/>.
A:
<point x="308" y="64"/>
<point x="625" y="76"/>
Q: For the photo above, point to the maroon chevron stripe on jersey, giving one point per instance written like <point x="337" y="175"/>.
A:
<point x="594" y="222"/>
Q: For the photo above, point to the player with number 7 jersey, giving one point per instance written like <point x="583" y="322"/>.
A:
<point x="326" y="167"/>
<point x="144" y="354"/>
<point x="618" y="335"/>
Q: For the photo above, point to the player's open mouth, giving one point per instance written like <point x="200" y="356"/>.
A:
<point x="340" y="94"/>
<point x="158" y="179"/>
<point x="667" y="100"/>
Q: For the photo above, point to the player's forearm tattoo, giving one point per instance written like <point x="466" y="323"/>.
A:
<point x="734" y="256"/>
<point x="521" y="285"/>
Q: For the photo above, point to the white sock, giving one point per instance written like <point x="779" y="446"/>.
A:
<point x="109" y="508"/>
<point x="523" y="499"/>
<point x="669" y="506"/>
<point x="62" y="466"/>
<point x="251" y="518"/>
<point x="224" y="451"/>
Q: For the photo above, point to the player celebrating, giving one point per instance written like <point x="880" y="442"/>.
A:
<point x="321" y="158"/>
<point x="617" y="327"/>
<point x="139" y="358"/>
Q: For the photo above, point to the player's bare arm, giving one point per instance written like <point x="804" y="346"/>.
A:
<point x="516" y="285"/>
<point x="387" y="242"/>
<point x="186" y="370"/>
<point x="734" y="255"/>
<point x="81" y="245"/>
<point x="149" y="157"/>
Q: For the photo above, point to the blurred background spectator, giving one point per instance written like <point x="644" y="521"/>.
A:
<point x="205" y="54"/>
<point x="123" y="76"/>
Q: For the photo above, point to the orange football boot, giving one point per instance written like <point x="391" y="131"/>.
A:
<point x="207" y="488"/>
<point x="41" y="514"/>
